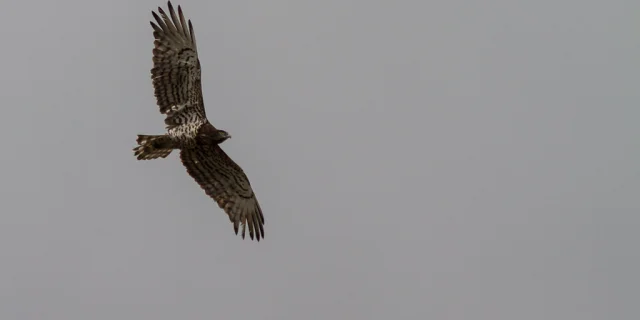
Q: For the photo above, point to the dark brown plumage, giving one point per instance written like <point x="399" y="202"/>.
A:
<point x="176" y="81"/>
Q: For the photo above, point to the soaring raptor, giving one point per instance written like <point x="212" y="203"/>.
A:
<point x="176" y="81"/>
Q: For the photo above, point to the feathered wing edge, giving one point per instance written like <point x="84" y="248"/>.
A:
<point x="174" y="28"/>
<point x="223" y="180"/>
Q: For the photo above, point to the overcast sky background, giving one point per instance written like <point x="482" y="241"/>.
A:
<point x="414" y="160"/>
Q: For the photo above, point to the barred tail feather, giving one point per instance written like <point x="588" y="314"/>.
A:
<point x="152" y="147"/>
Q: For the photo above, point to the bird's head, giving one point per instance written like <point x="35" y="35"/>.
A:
<point x="221" y="136"/>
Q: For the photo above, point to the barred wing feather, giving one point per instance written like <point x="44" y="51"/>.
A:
<point x="225" y="182"/>
<point x="176" y="69"/>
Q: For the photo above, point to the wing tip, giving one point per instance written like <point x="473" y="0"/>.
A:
<point x="256" y="232"/>
<point x="172" y="25"/>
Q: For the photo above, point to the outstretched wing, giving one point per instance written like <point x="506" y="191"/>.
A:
<point x="225" y="182"/>
<point x="176" y="69"/>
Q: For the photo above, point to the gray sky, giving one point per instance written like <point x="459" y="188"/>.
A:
<point x="414" y="160"/>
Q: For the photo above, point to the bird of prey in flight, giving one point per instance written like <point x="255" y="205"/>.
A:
<point x="178" y="91"/>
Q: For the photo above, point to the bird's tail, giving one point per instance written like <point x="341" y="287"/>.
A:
<point x="152" y="147"/>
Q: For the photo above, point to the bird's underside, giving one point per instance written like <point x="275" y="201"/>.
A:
<point x="177" y="88"/>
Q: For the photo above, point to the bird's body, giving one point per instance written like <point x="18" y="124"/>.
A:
<point x="176" y="80"/>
